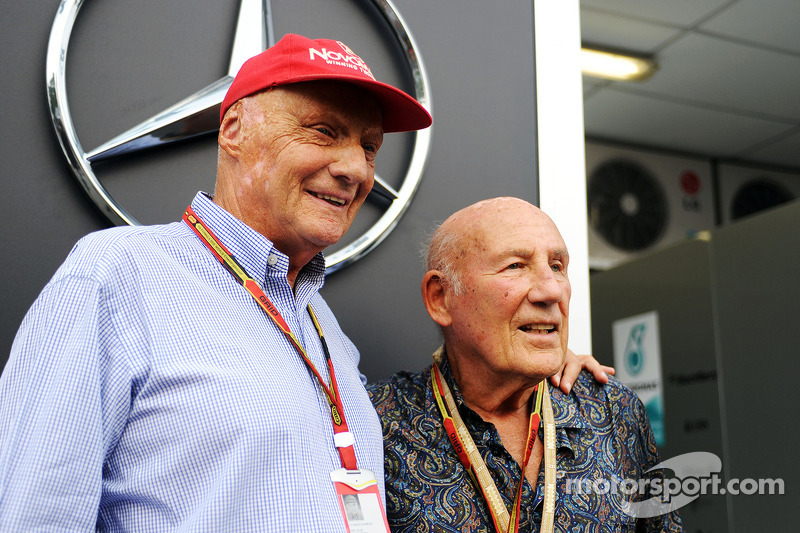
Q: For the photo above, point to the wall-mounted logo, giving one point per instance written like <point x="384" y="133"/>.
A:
<point x="637" y="356"/>
<point x="634" y="351"/>
<point x="198" y="114"/>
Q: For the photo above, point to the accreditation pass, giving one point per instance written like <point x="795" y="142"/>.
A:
<point x="360" y="501"/>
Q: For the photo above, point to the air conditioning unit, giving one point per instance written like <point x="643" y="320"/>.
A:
<point x="640" y="201"/>
<point x="747" y="190"/>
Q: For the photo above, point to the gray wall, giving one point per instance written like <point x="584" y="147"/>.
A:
<point x="758" y="306"/>
<point x="129" y="60"/>
<point x="677" y="283"/>
<point x="728" y="311"/>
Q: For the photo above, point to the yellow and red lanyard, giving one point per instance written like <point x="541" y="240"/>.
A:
<point x="343" y="439"/>
<point x="471" y="459"/>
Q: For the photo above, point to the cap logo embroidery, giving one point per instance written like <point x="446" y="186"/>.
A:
<point x="348" y="59"/>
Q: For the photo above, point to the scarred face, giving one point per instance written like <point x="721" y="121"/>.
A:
<point x="512" y="315"/>
<point x="306" y="162"/>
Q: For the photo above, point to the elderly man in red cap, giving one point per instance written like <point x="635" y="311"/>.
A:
<point x="189" y="376"/>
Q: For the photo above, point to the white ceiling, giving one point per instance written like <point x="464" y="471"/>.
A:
<point x="728" y="84"/>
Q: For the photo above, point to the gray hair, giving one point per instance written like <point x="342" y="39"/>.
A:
<point x="443" y="250"/>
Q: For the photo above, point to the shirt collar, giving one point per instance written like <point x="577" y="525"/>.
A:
<point x="566" y="409"/>
<point x="447" y="374"/>
<point x="257" y="254"/>
<point x="482" y="432"/>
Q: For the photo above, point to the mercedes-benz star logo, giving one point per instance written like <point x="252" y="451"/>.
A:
<point x="198" y="114"/>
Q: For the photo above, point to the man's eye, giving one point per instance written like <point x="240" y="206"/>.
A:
<point x="514" y="266"/>
<point x="556" y="267"/>
<point x="325" y="131"/>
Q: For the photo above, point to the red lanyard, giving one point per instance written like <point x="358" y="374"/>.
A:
<point x="342" y="437"/>
<point x="450" y="423"/>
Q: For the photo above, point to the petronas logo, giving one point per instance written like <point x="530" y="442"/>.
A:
<point x="634" y="350"/>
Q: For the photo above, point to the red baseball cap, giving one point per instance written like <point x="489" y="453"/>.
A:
<point x="296" y="59"/>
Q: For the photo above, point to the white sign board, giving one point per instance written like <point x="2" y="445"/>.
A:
<point x="637" y="358"/>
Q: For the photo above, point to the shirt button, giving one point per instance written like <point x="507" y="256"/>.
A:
<point x="272" y="259"/>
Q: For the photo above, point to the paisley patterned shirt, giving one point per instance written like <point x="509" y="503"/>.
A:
<point x="603" y="441"/>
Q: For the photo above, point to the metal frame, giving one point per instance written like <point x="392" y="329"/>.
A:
<point x="199" y="114"/>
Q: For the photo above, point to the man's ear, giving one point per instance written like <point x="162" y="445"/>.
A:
<point x="230" y="130"/>
<point x="434" y="298"/>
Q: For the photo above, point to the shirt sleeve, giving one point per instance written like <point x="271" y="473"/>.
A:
<point x="64" y="399"/>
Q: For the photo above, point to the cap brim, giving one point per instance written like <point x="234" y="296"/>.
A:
<point x="401" y="112"/>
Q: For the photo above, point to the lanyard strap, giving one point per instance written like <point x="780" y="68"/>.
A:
<point x="472" y="461"/>
<point x="342" y="437"/>
<point x="549" y="510"/>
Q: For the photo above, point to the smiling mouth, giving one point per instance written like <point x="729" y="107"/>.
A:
<point x="538" y="328"/>
<point x="338" y="202"/>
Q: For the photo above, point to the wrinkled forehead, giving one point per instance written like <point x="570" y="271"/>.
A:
<point x="337" y="95"/>
<point x="495" y="214"/>
<point x="318" y="100"/>
<point x="506" y="223"/>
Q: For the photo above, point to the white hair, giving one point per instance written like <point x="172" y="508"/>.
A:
<point x="441" y="254"/>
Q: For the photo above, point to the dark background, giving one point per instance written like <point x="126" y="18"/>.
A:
<point x="129" y="60"/>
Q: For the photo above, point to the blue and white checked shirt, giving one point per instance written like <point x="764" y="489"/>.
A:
<point x="147" y="391"/>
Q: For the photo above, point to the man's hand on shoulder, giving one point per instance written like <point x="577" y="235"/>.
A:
<point x="573" y="365"/>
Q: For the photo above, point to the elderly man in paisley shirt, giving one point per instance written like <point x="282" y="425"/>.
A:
<point x="477" y="442"/>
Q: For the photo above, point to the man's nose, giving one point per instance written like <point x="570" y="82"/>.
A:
<point x="546" y="286"/>
<point x="351" y="164"/>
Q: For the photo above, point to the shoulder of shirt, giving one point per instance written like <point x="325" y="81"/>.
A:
<point x="406" y="388"/>
<point x="614" y="394"/>
<point x="96" y="253"/>
<point x="586" y="384"/>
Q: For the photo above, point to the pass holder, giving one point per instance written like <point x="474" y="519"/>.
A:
<point x="360" y="501"/>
